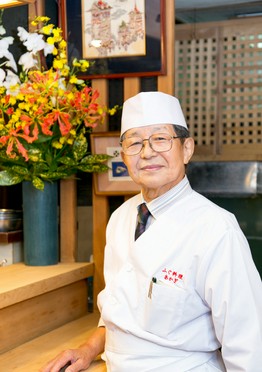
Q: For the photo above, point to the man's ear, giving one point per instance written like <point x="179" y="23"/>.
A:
<point x="189" y="146"/>
<point x="123" y="156"/>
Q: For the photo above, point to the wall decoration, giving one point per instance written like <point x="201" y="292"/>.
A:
<point x="122" y="38"/>
<point x="117" y="180"/>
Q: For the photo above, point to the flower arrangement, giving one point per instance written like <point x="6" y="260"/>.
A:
<point x="45" y="113"/>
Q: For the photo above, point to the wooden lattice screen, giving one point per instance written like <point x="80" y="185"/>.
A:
<point x="218" y="79"/>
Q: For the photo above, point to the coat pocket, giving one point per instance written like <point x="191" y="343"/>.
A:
<point x="162" y="310"/>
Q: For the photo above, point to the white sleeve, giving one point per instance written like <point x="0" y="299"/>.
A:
<point x="233" y="290"/>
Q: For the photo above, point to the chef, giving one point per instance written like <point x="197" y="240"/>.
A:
<point x="182" y="292"/>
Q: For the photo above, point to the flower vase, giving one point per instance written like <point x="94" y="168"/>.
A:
<point x="40" y="224"/>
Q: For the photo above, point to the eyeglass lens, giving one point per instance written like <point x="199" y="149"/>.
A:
<point x="159" y="142"/>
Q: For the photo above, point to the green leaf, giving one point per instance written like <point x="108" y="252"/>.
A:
<point x="48" y="176"/>
<point x="79" y="147"/>
<point x="10" y="161"/>
<point x="40" y="168"/>
<point x="96" y="158"/>
<point x="38" y="183"/>
<point x="20" y="170"/>
<point x="43" y="138"/>
<point x="68" y="161"/>
<point x="93" y="168"/>
<point x="49" y="159"/>
<point x="8" y="178"/>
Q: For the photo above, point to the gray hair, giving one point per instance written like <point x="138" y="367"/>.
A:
<point x="180" y="131"/>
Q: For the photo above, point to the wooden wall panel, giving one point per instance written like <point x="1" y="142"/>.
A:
<point x="218" y="81"/>
<point x="166" y="82"/>
<point x="131" y="87"/>
<point x="68" y="220"/>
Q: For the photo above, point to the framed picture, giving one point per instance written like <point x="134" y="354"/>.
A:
<point x="119" y="38"/>
<point x="117" y="180"/>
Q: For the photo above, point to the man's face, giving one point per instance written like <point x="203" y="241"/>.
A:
<point x="157" y="172"/>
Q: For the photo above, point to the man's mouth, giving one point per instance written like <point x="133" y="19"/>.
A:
<point x="151" y="167"/>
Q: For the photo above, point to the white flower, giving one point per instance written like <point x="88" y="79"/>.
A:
<point x="22" y="33"/>
<point x="10" y="81"/>
<point x="33" y="42"/>
<point x="62" y="83"/>
<point x="48" y="49"/>
<point x="2" y="30"/>
<point x="2" y="77"/>
<point x="80" y="81"/>
<point x="28" y="60"/>
<point x="54" y="101"/>
<point x="11" y="61"/>
<point x="4" y="52"/>
<point x="5" y="42"/>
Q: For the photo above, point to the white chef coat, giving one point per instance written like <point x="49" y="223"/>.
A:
<point x="182" y="290"/>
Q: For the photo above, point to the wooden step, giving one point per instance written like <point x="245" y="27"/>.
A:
<point x="32" y="355"/>
<point x="35" y="300"/>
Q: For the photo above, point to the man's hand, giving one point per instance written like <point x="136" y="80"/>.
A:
<point x="76" y="359"/>
<point x="80" y="358"/>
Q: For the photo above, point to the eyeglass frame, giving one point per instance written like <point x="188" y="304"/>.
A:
<point x="148" y="139"/>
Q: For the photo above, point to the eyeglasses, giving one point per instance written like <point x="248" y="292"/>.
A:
<point x="159" y="142"/>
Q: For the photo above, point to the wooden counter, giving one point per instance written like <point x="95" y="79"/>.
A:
<point x="32" y="355"/>
<point x="19" y="282"/>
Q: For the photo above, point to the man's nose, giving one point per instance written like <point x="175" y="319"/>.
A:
<point x="146" y="149"/>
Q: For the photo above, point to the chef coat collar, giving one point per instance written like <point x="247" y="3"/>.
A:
<point x="162" y="203"/>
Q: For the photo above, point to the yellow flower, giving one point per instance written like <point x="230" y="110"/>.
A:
<point x="58" y="64"/>
<point x="50" y="40"/>
<point x="76" y="63"/>
<point x="43" y="19"/>
<point x="57" y="145"/>
<point x="62" y="55"/>
<point x="39" y="19"/>
<point x="73" y="79"/>
<point x="62" y="140"/>
<point x="47" y="30"/>
<point x="113" y="110"/>
<point x="62" y="44"/>
<point x="12" y="100"/>
<point x="84" y="64"/>
<point x="65" y="71"/>
<point x="34" y="158"/>
<point x="55" y="51"/>
<point x="70" y="96"/>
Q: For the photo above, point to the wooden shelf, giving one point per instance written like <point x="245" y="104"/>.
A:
<point x="11" y="237"/>
<point x="20" y="282"/>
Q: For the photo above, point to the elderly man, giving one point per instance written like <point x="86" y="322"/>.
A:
<point x="182" y="292"/>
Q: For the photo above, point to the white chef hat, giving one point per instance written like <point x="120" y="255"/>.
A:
<point x="147" y="108"/>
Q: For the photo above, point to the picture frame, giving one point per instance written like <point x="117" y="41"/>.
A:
<point x="116" y="181"/>
<point x="76" y="26"/>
